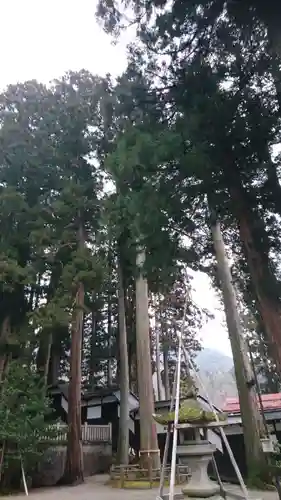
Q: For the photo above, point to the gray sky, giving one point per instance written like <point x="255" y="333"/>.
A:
<point x="214" y="333"/>
<point x="42" y="39"/>
<point x="45" y="38"/>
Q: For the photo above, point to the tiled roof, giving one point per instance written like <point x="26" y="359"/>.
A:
<point x="270" y="402"/>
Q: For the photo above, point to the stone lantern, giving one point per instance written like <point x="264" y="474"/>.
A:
<point x="193" y="451"/>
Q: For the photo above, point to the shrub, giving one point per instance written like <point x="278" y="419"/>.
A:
<point x="24" y="431"/>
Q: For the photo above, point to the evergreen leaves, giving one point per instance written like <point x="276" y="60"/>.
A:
<point x="139" y="162"/>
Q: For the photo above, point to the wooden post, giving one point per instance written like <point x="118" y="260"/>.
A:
<point x="122" y="476"/>
<point x="149" y="466"/>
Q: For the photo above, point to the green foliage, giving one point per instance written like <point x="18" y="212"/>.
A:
<point x="210" y="114"/>
<point x="208" y="72"/>
<point x="24" y="414"/>
<point x="261" y="478"/>
<point x="172" y="139"/>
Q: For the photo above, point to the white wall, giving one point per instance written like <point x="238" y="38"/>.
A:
<point x="236" y="419"/>
<point x="215" y="439"/>
<point x="93" y="412"/>
<point x="155" y="387"/>
<point x="231" y="430"/>
<point x="64" y="404"/>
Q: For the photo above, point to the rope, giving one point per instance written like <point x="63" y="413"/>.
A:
<point x="216" y="470"/>
<point x="177" y="406"/>
<point x="176" y="397"/>
<point x="168" y="434"/>
<point x="190" y="363"/>
<point x="223" y="435"/>
<point x="149" y="451"/>
<point x="167" y="443"/>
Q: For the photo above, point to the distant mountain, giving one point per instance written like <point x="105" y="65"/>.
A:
<point x="217" y="374"/>
<point x="210" y="359"/>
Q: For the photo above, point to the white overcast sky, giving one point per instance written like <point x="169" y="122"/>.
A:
<point x="42" y="39"/>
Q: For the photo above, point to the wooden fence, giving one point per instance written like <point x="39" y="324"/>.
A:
<point x="147" y="477"/>
<point x="90" y="434"/>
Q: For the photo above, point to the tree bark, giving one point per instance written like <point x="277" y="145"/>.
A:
<point x="166" y="373"/>
<point x="44" y="354"/>
<point x="273" y="185"/>
<point x="165" y="350"/>
<point x="109" y="334"/>
<point x="264" y="282"/>
<point x="148" y="435"/>
<point x="157" y="354"/>
<point x="73" y="473"/>
<point x="4" y="336"/>
<point x="133" y="371"/>
<point x="274" y="39"/>
<point x="54" y="366"/>
<point x="251" y="421"/>
<point x="46" y="336"/>
<point x="130" y="302"/>
<point x="93" y="342"/>
<point x="158" y="365"/>
<point x="123" y="443"/>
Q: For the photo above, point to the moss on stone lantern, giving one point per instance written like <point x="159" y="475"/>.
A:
<point x="190" y="411"/>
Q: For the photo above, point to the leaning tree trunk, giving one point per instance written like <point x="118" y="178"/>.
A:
<point x="123" y="443"/>
<point x="73" y="473"/>
<point x="148" y="435"/>
<point x="251" y="421"/>
<point x="263" y="280"/>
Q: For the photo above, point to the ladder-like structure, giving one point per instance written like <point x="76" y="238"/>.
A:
<point x="175" y="404"/>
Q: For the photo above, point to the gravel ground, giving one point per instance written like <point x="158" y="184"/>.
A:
<point x="95" y="489"/>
